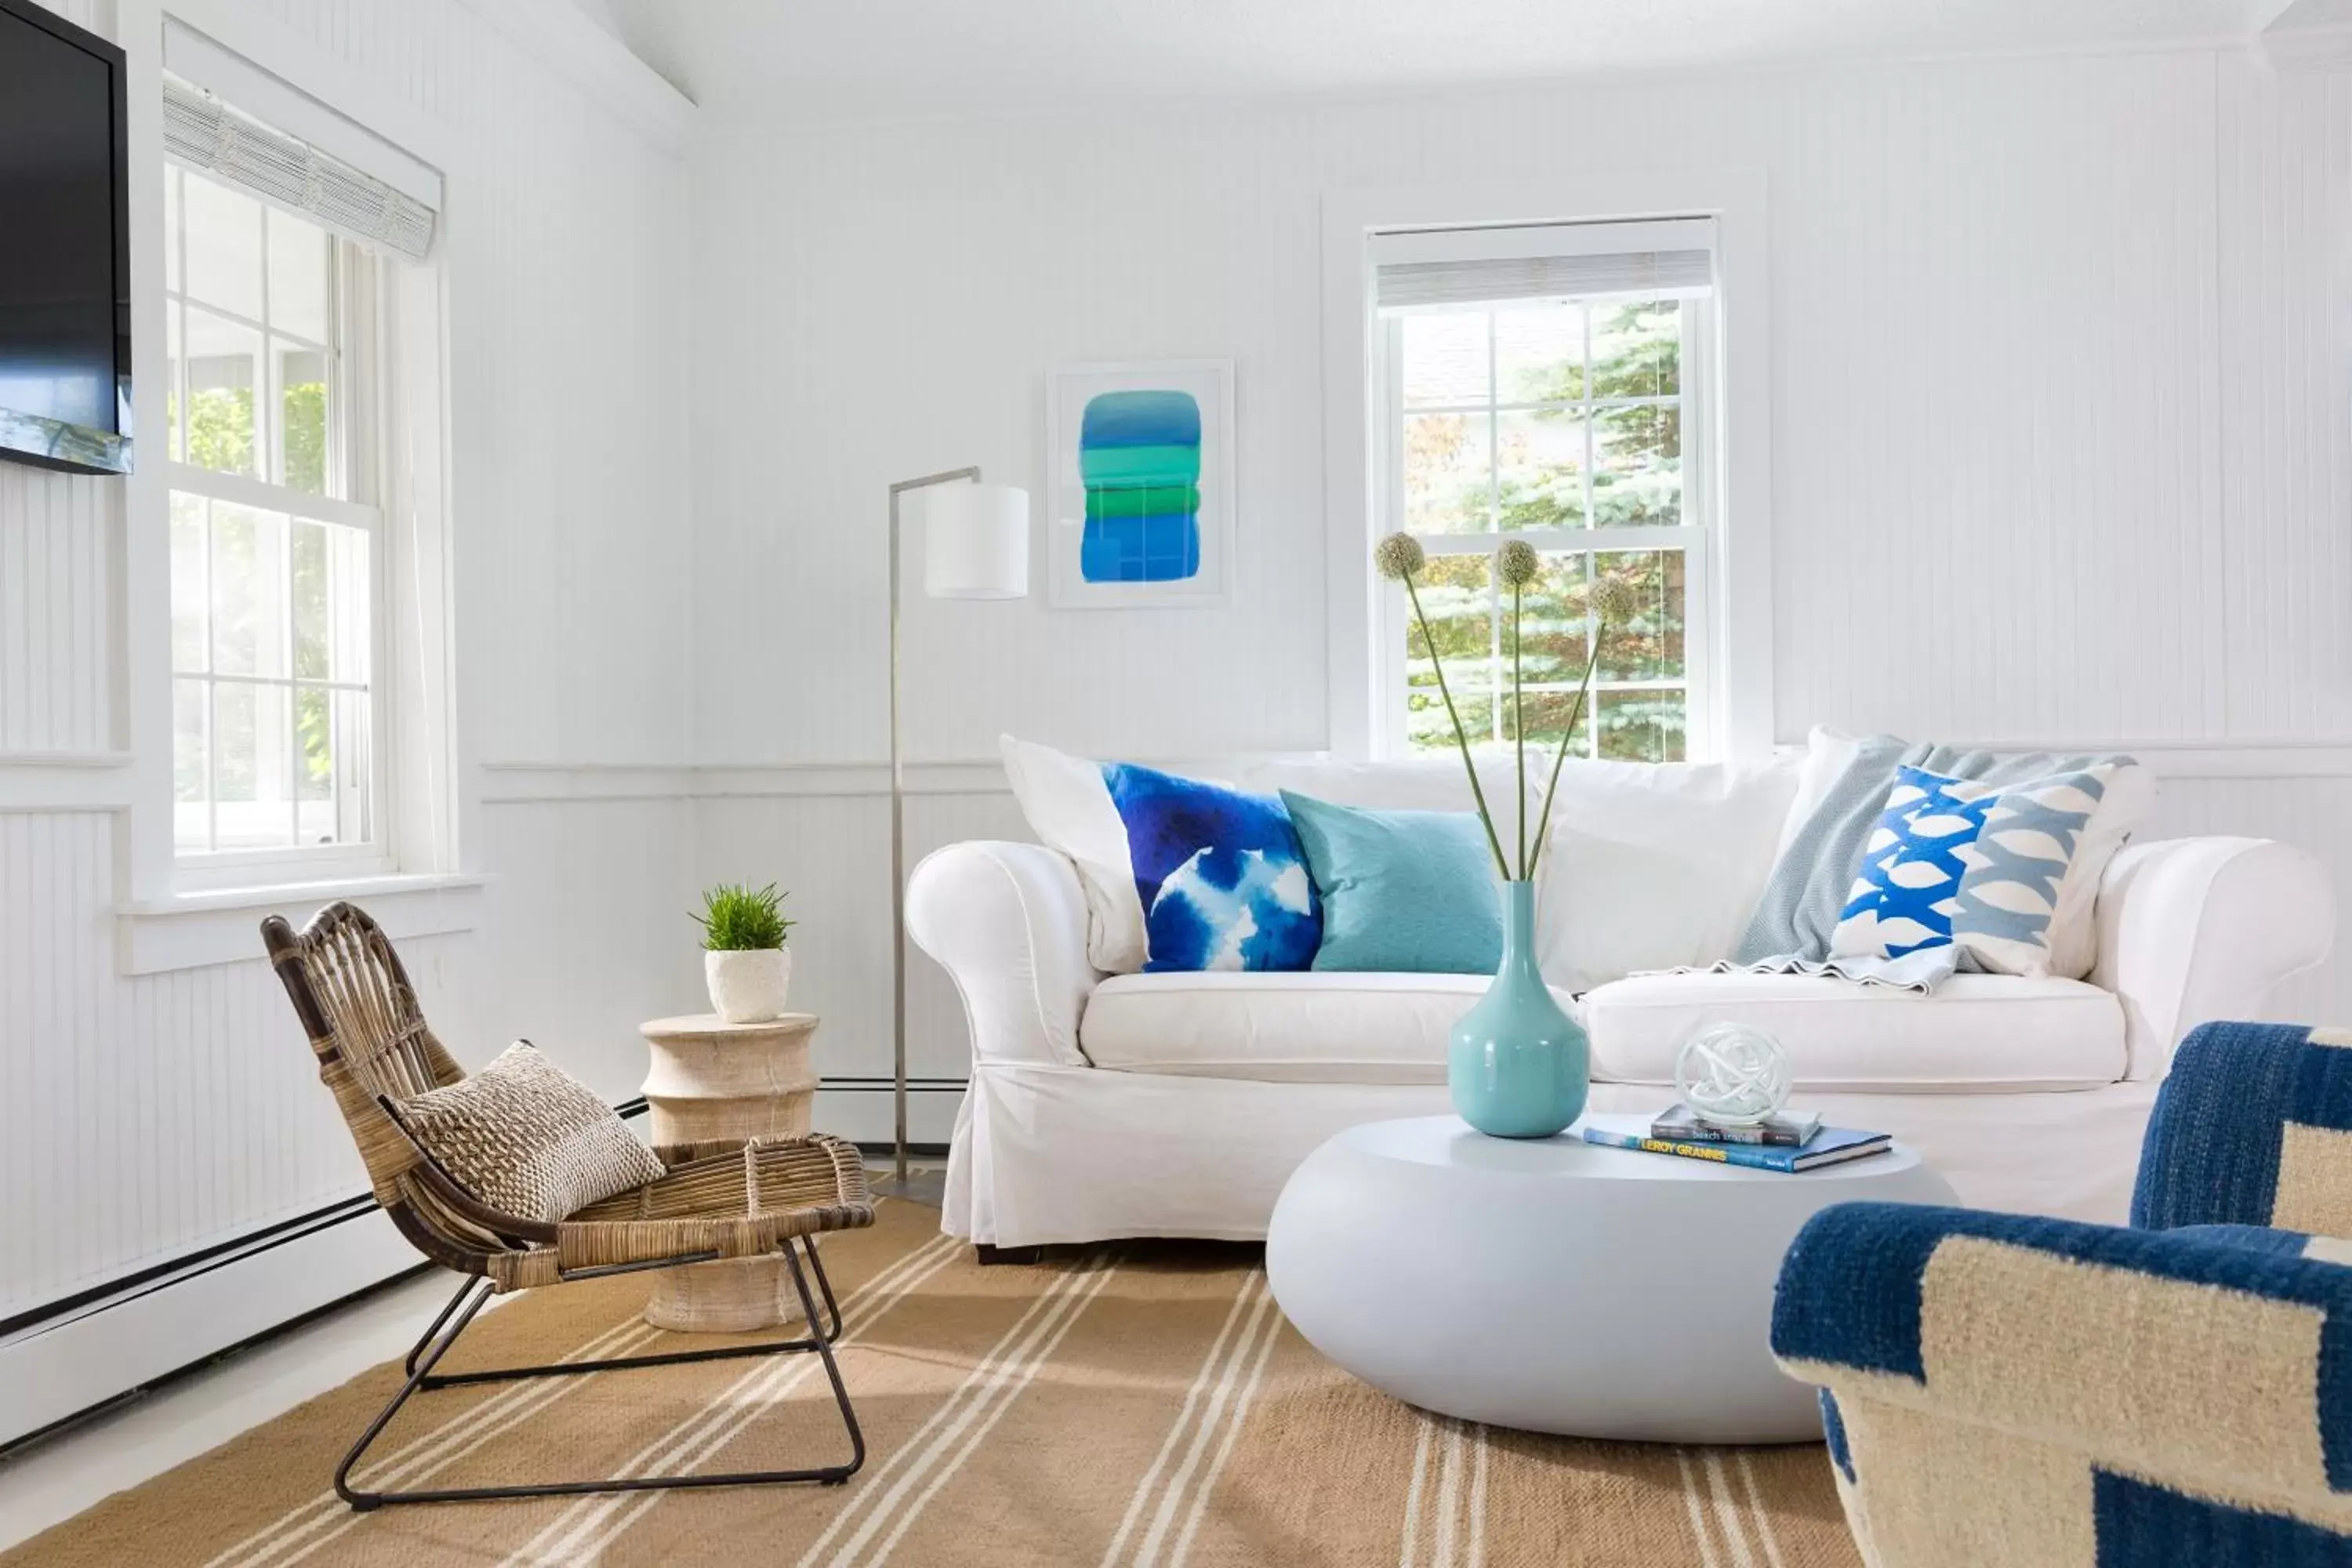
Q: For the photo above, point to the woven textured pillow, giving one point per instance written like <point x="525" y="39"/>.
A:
<point x="527" y="1138"/>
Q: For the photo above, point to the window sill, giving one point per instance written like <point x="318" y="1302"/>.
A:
<point x="199" y="929"/>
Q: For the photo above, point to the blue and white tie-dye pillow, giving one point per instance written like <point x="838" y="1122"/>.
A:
<point x="1220" y="873"/>
<point x="1177" y="873"/>
<point x="1975" y="867"/>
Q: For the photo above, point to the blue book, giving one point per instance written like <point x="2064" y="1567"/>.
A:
<point x="1829" y="1146"/>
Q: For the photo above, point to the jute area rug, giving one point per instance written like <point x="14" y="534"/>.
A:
<point x="1143" y="1404"/>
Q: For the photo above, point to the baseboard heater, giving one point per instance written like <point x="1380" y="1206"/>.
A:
<point x="66" y="1358"/>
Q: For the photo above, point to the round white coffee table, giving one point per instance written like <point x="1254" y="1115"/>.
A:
<point x="1558" y="1286"/>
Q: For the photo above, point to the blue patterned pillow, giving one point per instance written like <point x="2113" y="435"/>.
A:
<point x="1908" y="888"/>
<point x="1979" y="865"/>
<point x="1222" y="877"/>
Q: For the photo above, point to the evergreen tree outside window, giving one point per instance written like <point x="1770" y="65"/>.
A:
<point x="1561" y="421"/>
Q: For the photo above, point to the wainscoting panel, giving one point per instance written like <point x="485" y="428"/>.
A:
<point x="58" y="534"/>
<point x="2312" y="814"/>
<point x="833" y="853"/>
<point x="140" y="1118"/>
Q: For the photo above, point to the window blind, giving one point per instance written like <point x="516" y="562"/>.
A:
<point x="1437" y="269"/>
<point x="289" y="150"/>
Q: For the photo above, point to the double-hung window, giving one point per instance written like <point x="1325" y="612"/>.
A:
<point x="275" y="609"/>
<point x="1548" y="383"/>
<point x="277" y="262"/>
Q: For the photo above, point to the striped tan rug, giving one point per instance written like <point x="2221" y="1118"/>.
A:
<point x="1136" y="1405"/>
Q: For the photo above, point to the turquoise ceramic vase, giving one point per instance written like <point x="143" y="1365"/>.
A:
<point x="1518" y="1066"/>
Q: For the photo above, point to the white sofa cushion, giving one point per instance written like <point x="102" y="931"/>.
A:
<point x="1978" y="1032"/>
<point x="1279" y="1028"/>
<point x="1655" y="866"/>
<point x="1405" y="784"/>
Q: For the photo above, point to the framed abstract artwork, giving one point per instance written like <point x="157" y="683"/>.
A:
<point x="1140" y="485"/>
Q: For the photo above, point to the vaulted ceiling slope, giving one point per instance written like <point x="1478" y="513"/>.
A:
<point x="819" y="61"/>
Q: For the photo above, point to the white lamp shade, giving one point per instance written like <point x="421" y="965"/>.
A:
<point x="976" y="541"/>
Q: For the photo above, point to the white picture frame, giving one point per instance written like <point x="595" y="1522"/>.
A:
<point x="1073" y="551"/>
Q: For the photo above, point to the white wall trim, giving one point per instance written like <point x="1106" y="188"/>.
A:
<point x="65" y="780"/>
<point x="532" y="783"/>
<point x="2308" y="48"/>
<point x="1741" y="690"/>
<point x="197" y="931"/>
<point x="556" y="35"/>
<point x="537" y="784"/>
<point x="57" y="1369"/>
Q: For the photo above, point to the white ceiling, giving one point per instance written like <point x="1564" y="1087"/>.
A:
<point x="813" y="61"/>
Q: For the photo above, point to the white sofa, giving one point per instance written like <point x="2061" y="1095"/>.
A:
<point x="1179" y="1104"/>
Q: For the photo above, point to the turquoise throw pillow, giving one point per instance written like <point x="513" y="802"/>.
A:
<point x="1410" y="891"/>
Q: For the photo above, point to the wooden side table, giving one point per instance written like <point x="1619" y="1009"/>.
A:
<point x="712" y="1081"/>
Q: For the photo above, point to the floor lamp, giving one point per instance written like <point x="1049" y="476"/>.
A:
<point x="975" y="546"/>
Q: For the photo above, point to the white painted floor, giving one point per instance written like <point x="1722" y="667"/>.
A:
<point x="56" y="1479"/>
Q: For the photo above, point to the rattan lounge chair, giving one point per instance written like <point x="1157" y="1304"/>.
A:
<point x="717" y="1201"/>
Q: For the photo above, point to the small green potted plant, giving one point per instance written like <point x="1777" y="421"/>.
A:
<point x="745" y="962"/>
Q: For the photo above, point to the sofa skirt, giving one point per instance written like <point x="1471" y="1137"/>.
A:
<point x="1049" y="1154"/>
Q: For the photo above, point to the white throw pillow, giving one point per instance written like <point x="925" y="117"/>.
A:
<point x="1410" y="783"/>
<point x="1655" y="866"/>
<point x="2129" y="800"/>
<point x="1069" y="808"/>
<point x="1828" y="754"/>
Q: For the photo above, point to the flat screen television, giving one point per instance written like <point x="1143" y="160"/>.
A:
<point x="65" y="246"/>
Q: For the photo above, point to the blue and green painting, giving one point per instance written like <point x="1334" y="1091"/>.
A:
<point x="1140" y="460"/>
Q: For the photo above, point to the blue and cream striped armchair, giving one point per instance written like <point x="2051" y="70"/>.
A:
<point x="1998" y="1389"/>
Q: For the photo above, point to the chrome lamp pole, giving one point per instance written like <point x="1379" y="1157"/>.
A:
<point x="976" y="546"/>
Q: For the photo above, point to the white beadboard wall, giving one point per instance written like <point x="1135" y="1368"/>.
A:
<point x="57" y="562"/>
<point x="140" y="1118"/>
<point x="2061" y="445"/>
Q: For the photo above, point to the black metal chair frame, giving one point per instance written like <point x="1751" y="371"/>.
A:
<point x="474" y="1292"/>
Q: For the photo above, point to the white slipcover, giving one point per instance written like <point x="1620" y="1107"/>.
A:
<point x="1281" y="1028"/>
<point x="1050" y="1147"/>
<point x="1978" y="1034"/>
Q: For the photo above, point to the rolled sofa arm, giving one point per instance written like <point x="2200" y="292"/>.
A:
<point x="2202" y="1364"/>
<point x="2191" y="930"/>
<point x="1008" y="922"/>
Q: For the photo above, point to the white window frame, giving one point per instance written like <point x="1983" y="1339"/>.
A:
<point x="1695" y="377"/>
<point x="356" y="368"/>
<point x="170" y="917"/>
<point x="1728" y="619"/>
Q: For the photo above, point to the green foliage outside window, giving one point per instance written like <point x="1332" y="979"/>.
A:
<point x="1537" y="481"/>
<point x="220" y="436"/>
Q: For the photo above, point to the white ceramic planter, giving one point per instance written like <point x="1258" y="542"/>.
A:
<point x="749" y="987"/>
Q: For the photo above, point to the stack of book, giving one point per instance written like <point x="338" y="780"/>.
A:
<point x="1793" y="1140"/>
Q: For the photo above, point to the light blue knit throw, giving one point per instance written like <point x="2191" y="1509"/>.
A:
<point x="1790" y="933"/>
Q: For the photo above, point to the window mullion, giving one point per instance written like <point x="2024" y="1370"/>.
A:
<point x="1584" y="383"/>
<point x="265" y="418"/>
<point x="1494" y="526"/>
<point x="293" y="697"/>
<point x="211" y="692"/>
